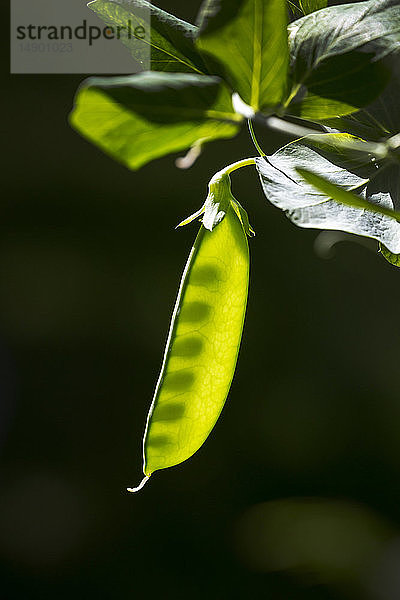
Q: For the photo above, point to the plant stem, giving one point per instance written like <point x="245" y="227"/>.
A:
<point x="288" y="127"/>
<point x="254" y="139"/>
<point x="394" y="145"/>
<point x="394" y="141"/>
<point x="378" y="150"/>
<point x="292" y="95"/>
<point x="246" y="162"/>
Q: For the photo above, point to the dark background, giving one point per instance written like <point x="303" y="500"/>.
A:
<point x="89" y="267"/>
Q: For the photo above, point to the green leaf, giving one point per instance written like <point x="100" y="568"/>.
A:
<point x="138" y="118"/>
<point x="338" y="57"/>
<point x="171" y="39"/>
<point x="248" y="41"/>
<point x="312" y="207"/>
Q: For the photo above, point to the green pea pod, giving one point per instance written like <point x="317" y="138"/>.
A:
<point x="202" y="346"/>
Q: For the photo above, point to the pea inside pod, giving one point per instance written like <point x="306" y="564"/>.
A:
<point x="202" y="346"/>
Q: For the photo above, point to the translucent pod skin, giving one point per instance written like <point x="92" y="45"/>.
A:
<point x="202" y="347"/>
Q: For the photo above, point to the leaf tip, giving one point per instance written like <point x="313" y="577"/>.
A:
<point x="192" y="217"/>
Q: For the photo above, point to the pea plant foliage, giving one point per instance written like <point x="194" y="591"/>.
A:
<point x="327" y="75"/>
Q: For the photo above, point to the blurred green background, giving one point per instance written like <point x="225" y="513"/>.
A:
<point x="294" y="496"/>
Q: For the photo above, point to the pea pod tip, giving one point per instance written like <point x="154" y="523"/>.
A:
<point x="140" y="486"/>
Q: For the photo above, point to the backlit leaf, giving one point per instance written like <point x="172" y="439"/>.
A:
<point x="248" y="41"/>
<point x="337" y="57"/>
<point x="309" y="207"/>
<point x="171" y="39"/>
<point x="139" y="118"/>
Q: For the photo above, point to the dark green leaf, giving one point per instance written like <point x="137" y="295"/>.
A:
<point x="311" y="208"/>
<point x="171" y="39"/>
<point x="294" y="10"/>
<point x="139" y="118"/>
<point x="309" y="6"/>
<point x="338" y="57"/>
<point x="305" y="7"/>
<point x="248" y="40"/>
<point x="382" y="117"/>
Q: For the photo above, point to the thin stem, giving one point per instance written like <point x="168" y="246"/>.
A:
<point x="292" y="95"/>
<point x="394" y="141"/>
<point x="254" y="139"/>
<point x="287" y="127"/>
<point x="246" y="162"/>
<point x="394" y="145"/>
<point x="379" y="150"/>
